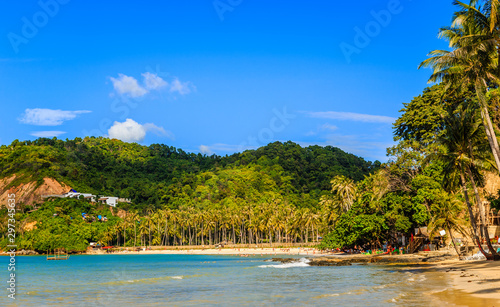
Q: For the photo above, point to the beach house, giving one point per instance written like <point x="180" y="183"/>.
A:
<point x="108" y="200"/>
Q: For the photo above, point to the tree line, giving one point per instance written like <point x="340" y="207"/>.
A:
<point x="447" y="143"/>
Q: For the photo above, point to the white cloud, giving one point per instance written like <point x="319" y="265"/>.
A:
<point x="47" y="134"/>
<point x="128" y="131"/>
<point x="126" y="85"/>
<point x="48" y="117"/>
<point x="158" y="131"/>
<point x="329" y="127"/>
<point x="182" y="88"/>
<point x="358" y="117"/>
<point x="132" y="131"/>
<point x="205" y="150"/>
<point x="153" y="82"/>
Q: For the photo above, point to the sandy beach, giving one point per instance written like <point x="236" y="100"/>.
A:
<point x="266" y="251"/>
<point x="472" y="283"/>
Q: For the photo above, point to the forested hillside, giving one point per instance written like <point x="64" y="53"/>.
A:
<point x="177" y="197"/>
<point x="159" y="175"/>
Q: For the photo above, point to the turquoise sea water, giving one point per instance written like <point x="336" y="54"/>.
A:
<point x="184" y="280"/>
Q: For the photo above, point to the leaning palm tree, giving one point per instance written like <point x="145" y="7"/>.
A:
<point x="447" y="215"/>
<point x="462" y="137"/>
<point x="473" y="62"/>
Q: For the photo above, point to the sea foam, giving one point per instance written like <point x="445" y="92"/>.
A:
<point x="303" y="262"/>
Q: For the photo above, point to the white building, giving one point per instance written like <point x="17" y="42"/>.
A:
<point x="108" y="200"/>
<point x="77" y="195"/>
<point x="113" y="201"/>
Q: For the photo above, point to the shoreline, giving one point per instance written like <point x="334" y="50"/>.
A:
<point x="469" y="283"/>
<point x="263" y="251"/>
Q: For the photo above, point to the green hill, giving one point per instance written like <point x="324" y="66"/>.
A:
<point x="163" y="176"/>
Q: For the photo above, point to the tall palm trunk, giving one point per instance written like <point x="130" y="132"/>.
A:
<point x="166" y="231"/>
<point x="202" y="235"/>
<point x="234" y="235"/>
<point x="471" y="214"/>
<point x="241" y="232"/>
<point x="190" y="233"/>
<point x="488" y="125"/>
<point x="149" y="239"/>
<point x="453" y="242"/>
<point x="484" y="227"/>
<point x="195" y="234"/>
<point x="158" y="228"/>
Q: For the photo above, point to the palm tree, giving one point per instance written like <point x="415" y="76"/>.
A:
<point x="447" y="215"/>
<point x="166" y="215"/>
<point x="143" y="230"/>
<point x="343" y="194"/>
<point x="462" y="137"/>
<point x="156" y="219"/>
<point x="117" y="229"/>
<point x="125" y="223"/>
<point x="134" y="218"/>
<point x="473" y="37"/>
<point x="107" y="235"/>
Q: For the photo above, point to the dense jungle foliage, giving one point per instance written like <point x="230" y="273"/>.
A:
<point x="164" y="182"/>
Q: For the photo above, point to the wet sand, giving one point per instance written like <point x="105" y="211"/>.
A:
<point x="464" y="283"/>
<point x="481" y="279"/>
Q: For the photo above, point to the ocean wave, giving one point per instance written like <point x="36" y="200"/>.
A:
<point x="148" y="280"/>
<point x="438" y="291"/>
<point x="413" y="277"/>
<point x="303" y="262"/>
<point x="327" y="295"/>
<point x="398" y="298"/>
<point x="354" y="292"/>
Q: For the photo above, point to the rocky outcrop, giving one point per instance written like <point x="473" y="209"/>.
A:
<point x="369" y="259"/>
<point x="26" y="252"/>
<point x="329" y="262"/>
<point x="30" y="193"/>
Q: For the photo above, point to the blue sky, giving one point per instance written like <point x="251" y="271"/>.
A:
<point x="215" y="76"/>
